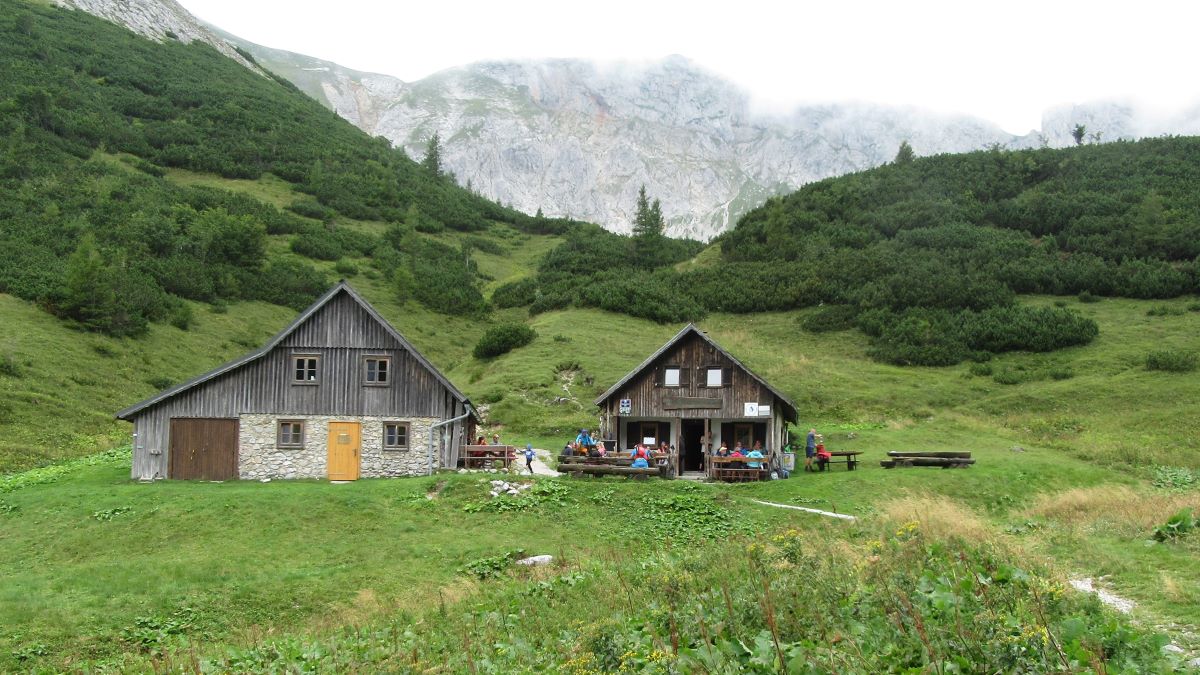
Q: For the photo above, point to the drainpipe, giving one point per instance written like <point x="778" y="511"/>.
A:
<point x="443" y="423"/>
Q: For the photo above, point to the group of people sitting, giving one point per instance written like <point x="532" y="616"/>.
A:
<point x="755" y="452"/>
<point x="586" y="446"/>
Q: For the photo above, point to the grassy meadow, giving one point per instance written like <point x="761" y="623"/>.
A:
<point x="136" y="577"/>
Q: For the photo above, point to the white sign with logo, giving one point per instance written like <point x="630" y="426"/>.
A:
<point x="750" y="410"/>
<point x="626" y="406"/>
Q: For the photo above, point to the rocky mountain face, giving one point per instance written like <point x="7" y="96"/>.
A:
<point x="158" y="20"/>
<point x="577" y="139"/>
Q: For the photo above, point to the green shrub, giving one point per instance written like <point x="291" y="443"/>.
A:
<point x="311" y="208"/>
<point x="317" y="245"/>
<point x="1164" y="310"/>
<point x="345" y="268"/>
<point x="9" y="366"/>
<point x="981" y="369"/>
<point x="1088" y="297"/>
<point x="1180" y="524"/>
<point x="219" y="307"/>
<point x="1008" y="377"/>
<point x="830" y="318"/>
<point x="1061" y="373"/>
<point x="516" y="293"/>
<point x="160" y="382"/>
<point x="1172" y="361"/>
<point x="181" y="316"/>
<point x="1193" y="307"/>
<point x="503" y="338"/>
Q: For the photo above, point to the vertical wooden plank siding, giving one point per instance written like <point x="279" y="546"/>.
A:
<point x="341" y="334"/>
<point x="204" y="449"/>
<point x="695" y="354"/>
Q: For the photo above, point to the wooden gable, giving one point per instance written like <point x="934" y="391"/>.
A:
<point x="693" y="353"/>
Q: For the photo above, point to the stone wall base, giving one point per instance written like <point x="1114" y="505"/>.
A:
<point x="260" y="457"/>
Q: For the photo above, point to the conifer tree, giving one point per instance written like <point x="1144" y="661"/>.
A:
<point x="905" y="154"/>
<point x="433" y="155"/>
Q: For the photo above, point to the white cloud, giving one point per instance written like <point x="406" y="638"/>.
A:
<point x="1006" y="62"/>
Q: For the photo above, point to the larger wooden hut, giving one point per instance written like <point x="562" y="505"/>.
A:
<point x="337" y="394"/>
<point x="694" y="394"/>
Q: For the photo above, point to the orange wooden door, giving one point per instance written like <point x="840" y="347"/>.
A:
<point x="345" y="445"/>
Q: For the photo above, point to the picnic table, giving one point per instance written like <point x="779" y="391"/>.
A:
<point x="737" y="469"/>
<point x="487" y="456"/>
<point x="847" y="457"/>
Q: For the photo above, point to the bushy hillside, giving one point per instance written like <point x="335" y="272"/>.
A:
<point x="927" y="256"/>
<point x="113" y="245"/>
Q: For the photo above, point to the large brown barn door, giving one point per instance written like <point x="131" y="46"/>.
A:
<point x="203" y="449"/>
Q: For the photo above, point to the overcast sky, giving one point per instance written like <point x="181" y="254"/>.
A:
<point x="1004" y="61"/>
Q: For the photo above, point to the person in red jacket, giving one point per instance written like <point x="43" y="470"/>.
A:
<point x="823" y="455"/>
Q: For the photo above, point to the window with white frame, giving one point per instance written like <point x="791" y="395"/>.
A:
<point x="671" y="376"/>
<point x="714" y="377"/>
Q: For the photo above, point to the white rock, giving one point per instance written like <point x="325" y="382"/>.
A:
<point x="264" y="480"/>
<point x="536" y="560"/>
<point x="1172" y="648"/>
<point x="513" y="492"/>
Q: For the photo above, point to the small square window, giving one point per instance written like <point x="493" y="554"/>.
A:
<point x="713" y="378"/>
<point x="670" y="377"/>
<point x="291" y="434"/>
<point x="304" y="369"/>
<point x="378" y="371"/>
<point x="395" y="435"/>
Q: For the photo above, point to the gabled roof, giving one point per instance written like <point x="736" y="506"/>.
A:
<point x="341" y="287"/>
<point x="688" y="329"/>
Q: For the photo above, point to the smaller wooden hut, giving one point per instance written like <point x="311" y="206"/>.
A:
<point x="694" y="394"/>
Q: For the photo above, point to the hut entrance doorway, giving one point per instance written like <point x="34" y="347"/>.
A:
<point x="691" y="453"/>
<point x="344" y="441"/>
<point x="203" y="449"/>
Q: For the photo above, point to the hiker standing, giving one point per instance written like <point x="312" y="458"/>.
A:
<point x="810" y="449"/>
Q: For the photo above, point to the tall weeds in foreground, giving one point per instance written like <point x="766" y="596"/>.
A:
<point x="914" y="595"/>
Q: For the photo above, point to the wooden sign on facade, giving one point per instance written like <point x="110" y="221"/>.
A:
<point x="691" y="402"/>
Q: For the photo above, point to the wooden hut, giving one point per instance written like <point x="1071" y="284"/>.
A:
<point x="694" y="394"/>
<point x="338" y="394"/>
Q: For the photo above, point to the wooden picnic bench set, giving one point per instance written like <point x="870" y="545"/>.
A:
<point x="946" y="460"/>
<point x="488" y="456"/>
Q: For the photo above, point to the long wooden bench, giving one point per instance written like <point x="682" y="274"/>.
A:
<point x="488" y="456"/>
<point x="581" y="469"/>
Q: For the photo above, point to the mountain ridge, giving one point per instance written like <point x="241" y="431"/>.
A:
<point x="577" y="139"/>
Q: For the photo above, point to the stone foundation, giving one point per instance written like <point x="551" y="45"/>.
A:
<point x="259" y="457"/>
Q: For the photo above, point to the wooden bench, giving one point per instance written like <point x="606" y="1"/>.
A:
<point x="741" y="472"/>
<point x="581" y="469"/>
<point x="847" y="457"/>
<point x="487" y="456"/>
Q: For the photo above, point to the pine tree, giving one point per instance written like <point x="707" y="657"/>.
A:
<point x="87" y="294"/>
<point x="433" y="155"/>
<point x="647" y="219"/>
<point x="1078" y="133"/>
<point x="905" y="154"/>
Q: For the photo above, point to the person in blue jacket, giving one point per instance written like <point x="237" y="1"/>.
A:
<point x="529" y="457"/>
<point x="584" y="440"/>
